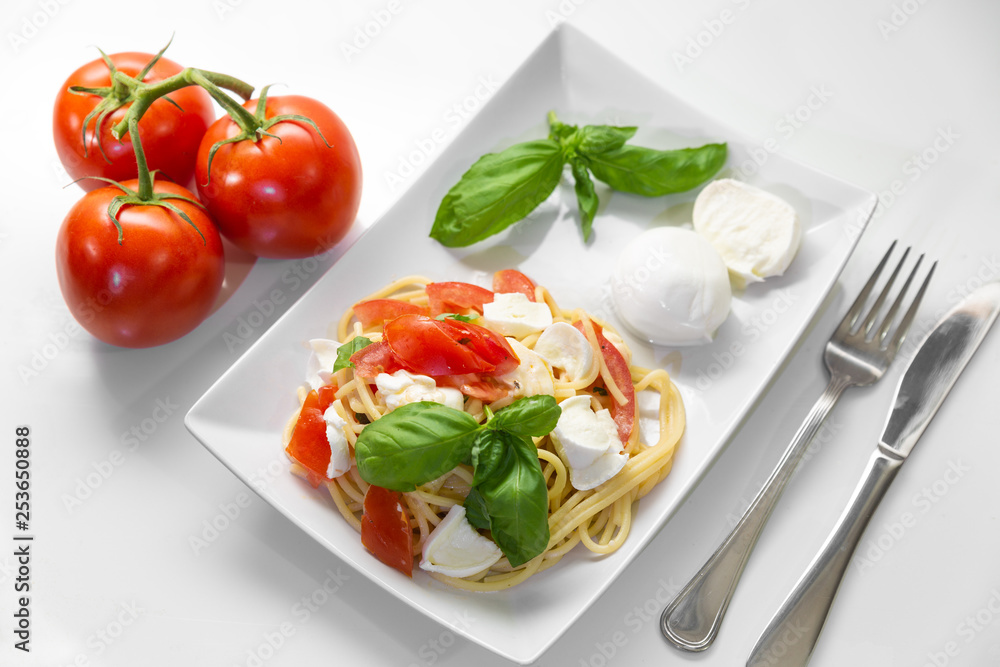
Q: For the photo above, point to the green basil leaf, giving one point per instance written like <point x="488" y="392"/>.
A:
<point x="653" y="173"/>
<point x="345" y="351"/>
<point x="530" y="416"/>
<point x="586" y="198"/>
<point x="457" y="316"/>
<point x="597" y="139"/>
<point x="487" y="453"/>
<point x="497" y="191"/>
<point x="475" y="510"/>
<point x="560" y="131"/>
<point x="517" y="503"/>
<point x="414" y="444"/>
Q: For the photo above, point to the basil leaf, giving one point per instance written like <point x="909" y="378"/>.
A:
<point x="597" y="139"/>
<point x="530" y="416"/>
<point x="475" y="510"/>
<point x="414" y="444"/>
<point x="497" y="191"/>
<point x="586" y="198"/>
<point x="345" y="351"/>
<point x="457" y="316"/>
<point x="487" y="453"/>
<point x="517" y="503"/>
<point x="558" y="130"/>
<point x="653" y="173"/>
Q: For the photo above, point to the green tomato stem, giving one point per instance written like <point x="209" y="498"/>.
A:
<point x="145" y="180"/>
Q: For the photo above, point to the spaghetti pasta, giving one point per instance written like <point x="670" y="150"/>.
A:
<point x="599" y="518"/>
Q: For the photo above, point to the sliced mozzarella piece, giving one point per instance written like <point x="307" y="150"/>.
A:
<point x="512" y="314"/>
<point x="588" y="443"/>
<point x="340" y="451"/>
<point x="648" y="402"/>
<point x="456" y="549"/>
<point x="563" y="346"/>
<point x="531" y="377"/>
<point x="756" y="233"/>
<point x="319" y="367"/>
<point x="403" y="387"/>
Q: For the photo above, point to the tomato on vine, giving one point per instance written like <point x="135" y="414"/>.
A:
<point x="280" y="176"/>
<point x="146" y="278"/>
<point x="93" y="100"/>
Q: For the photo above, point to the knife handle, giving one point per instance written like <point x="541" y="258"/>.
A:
<point x="790" y="637"/>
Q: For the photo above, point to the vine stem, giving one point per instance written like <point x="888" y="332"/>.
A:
<point x="145" y="179"/>
<point x="146" y="94"/>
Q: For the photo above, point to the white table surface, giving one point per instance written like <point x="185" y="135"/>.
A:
<point x="894" y="96"/>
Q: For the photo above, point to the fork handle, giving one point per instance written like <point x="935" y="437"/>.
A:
<point x="791" y="635"/>
<point x="692" y="619"/>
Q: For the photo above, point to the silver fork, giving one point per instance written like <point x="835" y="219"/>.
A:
<point x="856" y="355"/>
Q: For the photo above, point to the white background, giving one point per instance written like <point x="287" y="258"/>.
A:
<point x="889" y="95"/>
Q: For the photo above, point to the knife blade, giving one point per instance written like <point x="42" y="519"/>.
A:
<point x="936" y="366"/>
<point x="791" y="636"/>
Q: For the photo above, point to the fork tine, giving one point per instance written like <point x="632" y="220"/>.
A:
<point x="869" y="322"/>
<point x="891" y="315"/>
<point x="851" y="317"/>
<point x="897" y="338"/>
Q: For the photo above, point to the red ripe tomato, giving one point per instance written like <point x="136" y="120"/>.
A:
<point x="373" y="359"/>
<point x="623" y="413"/>
<point x="385" y="530"/>
<point x="448" y="347"/>
<point x="284" y="196"/>
<point x="309" y="445"/>
<point x="156" y="286"/>
<point x="512" y="280"/>
<point x="377" y="311"/>
<point x="169" y="135"/>
<point x="457" y="297"/>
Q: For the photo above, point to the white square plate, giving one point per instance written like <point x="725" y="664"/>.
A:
<point x="241" y="417"/>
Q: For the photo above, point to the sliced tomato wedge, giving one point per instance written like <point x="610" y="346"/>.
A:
<point x="447" y="347"/>
<point x="623" y="414"/>
<point x="377" y="311"/>
<point x="308" y="445"/>
<point x="484" y="387"/>
<point x="373" y="359"/>
<point x="511" y="280"/>
<point x="385" y="530"/>
<point x="457" y="297"/>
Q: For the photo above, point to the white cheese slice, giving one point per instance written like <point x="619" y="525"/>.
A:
<point x="319" y="367"/>
<point x="756" y="233"/>
<point x="403" y="387"/>
<point x="588" y="443"/>
<point x="456" y="549"/>
<point x="648" y="402"/>
<point x="340" y="451"/>
<point x="513" y="314"/>
<point x="563" y="346"/>
<point x="532" y="376"/>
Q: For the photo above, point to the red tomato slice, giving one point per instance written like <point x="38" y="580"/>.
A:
<point x="511" y="280"/>
<point x="456" y="297"/>
<point x="623" y="414"/>
<point x="309" y="446"/>
<point x="377" y="311"/>
<point x="385" y="530"/>
<point x="373" y="359"/>
<point x="448" y="347"/>
<point x="484" y="387"/>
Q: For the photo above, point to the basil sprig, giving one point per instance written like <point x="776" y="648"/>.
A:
<point x="502" y="188"/>
<point x="419" y="442"/>
<point x="347" y="350"/>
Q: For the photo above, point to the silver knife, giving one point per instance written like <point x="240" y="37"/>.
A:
<point x="790" y="637"/>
